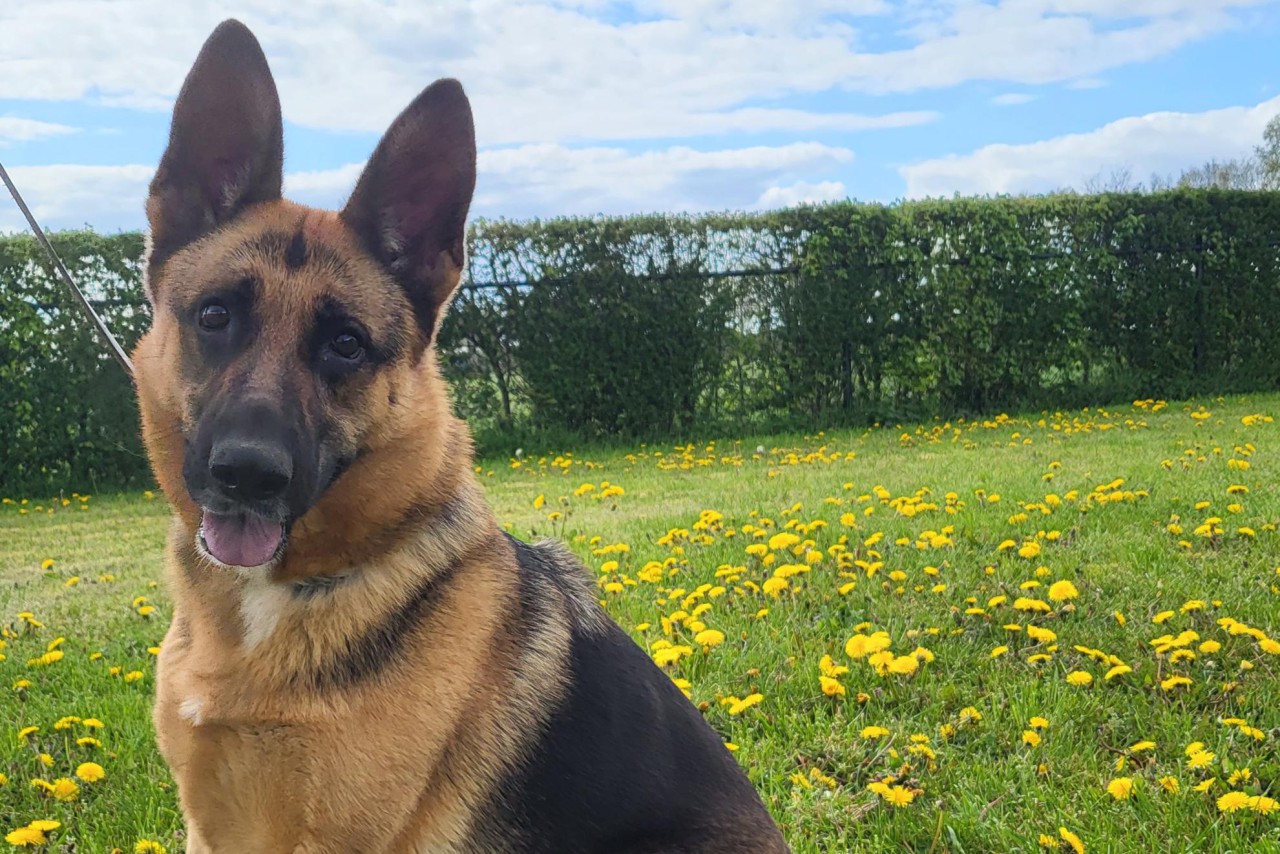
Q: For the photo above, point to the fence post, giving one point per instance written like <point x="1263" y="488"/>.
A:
<point x="846" y="374"/>
<point x="1197" y="350"/>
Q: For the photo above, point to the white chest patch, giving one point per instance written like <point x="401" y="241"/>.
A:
<point x="261" y="605"/>
<point x="190" y="710"/>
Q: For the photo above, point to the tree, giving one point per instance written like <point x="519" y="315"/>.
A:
<point x="1268" y="155"/>
<point x="1120" y="180"/>
<point x="1243" y="174"/>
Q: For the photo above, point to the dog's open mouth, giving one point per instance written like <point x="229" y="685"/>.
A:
<point x="241" y="539"/>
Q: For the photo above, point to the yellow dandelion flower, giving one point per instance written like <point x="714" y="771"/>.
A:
<point x="904" y="665"/>
<point x="1061" y="591"/>
<point x="24" y="836"/>
<point x="899" y="796"/>
<point x="1264" y="805"/>
<point x="740" y="706"/>
<point x="860" y="645"/>
<point x="774" y="586"/>
<point x="1040" y="635"/>
<point x="63" y="789"/>
<point x="708" y="638"/>
<point x="783" y="540"/>
<point x="1120" y="788"/>
<point x="831" y="687"/>
<point x="1232" y="801"/>
<point x="1200" y="759"/>
<point x="90" y="772"/>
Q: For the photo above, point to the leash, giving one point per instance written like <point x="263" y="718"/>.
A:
<point x="112" y="344"/>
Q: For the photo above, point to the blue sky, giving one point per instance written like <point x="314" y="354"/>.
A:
<point x="594" y="106"/>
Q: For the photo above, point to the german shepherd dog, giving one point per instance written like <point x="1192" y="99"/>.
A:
<point x="360" y="660"/>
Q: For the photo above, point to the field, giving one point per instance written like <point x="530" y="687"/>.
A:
<point x="1016" y="634"/>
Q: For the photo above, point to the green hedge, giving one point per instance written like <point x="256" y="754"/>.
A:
<point x="657" y="326"/>
<point x="67" y="414"/>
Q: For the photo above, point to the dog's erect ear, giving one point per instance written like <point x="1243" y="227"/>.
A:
<point x="409" y="207"/>
<point x="226" y="145"/>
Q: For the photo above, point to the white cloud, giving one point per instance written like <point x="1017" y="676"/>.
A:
<point x="1157" y="143"/>
<point x="322" y="187"/>
<point x="14" y="129"/>
<point x="800" y="193"/>
<point x="71" y="196"/>
<point x="551" y="179"/>
<point x="532" y="180"/>
<point x="1035" y="42"/>
<point x="767" y="15"/>
<point x="546" y="179"/>
<point x="1013" y="99"/>
<point x="593" y="70"/>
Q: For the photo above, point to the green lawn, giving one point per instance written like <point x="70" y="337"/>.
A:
<point x="898" y="529"/>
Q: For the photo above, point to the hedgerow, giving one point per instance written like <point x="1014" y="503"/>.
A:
<point x="655" y="326"/>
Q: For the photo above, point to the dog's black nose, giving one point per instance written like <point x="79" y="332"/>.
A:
<point x="251" y="471"/>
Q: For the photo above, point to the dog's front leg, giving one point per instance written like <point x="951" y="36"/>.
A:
<point x="196" y="843"/>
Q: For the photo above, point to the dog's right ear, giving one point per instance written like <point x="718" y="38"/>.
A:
<point x="226" y="145"/>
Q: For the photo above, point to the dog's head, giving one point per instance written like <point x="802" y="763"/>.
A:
<point x="283" y="336"/>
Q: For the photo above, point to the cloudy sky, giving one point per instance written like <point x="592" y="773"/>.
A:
<point x="596" y="106"/>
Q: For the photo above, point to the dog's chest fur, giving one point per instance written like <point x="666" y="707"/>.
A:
<point x="279" y="743"/>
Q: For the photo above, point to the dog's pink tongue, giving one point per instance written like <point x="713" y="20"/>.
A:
<point x="240" y="539"/>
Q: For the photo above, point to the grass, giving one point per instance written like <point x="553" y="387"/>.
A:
<point x="1121" y="477"/>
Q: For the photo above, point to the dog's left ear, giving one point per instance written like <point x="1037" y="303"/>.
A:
<point x="409" y="207"/>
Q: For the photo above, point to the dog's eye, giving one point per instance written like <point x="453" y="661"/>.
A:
<point x="214" y="316"/>
<point x="347" y="346"/>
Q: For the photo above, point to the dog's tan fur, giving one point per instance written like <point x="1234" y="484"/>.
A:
<point x="372" y="688"/>
<point x="259" y="755"/>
